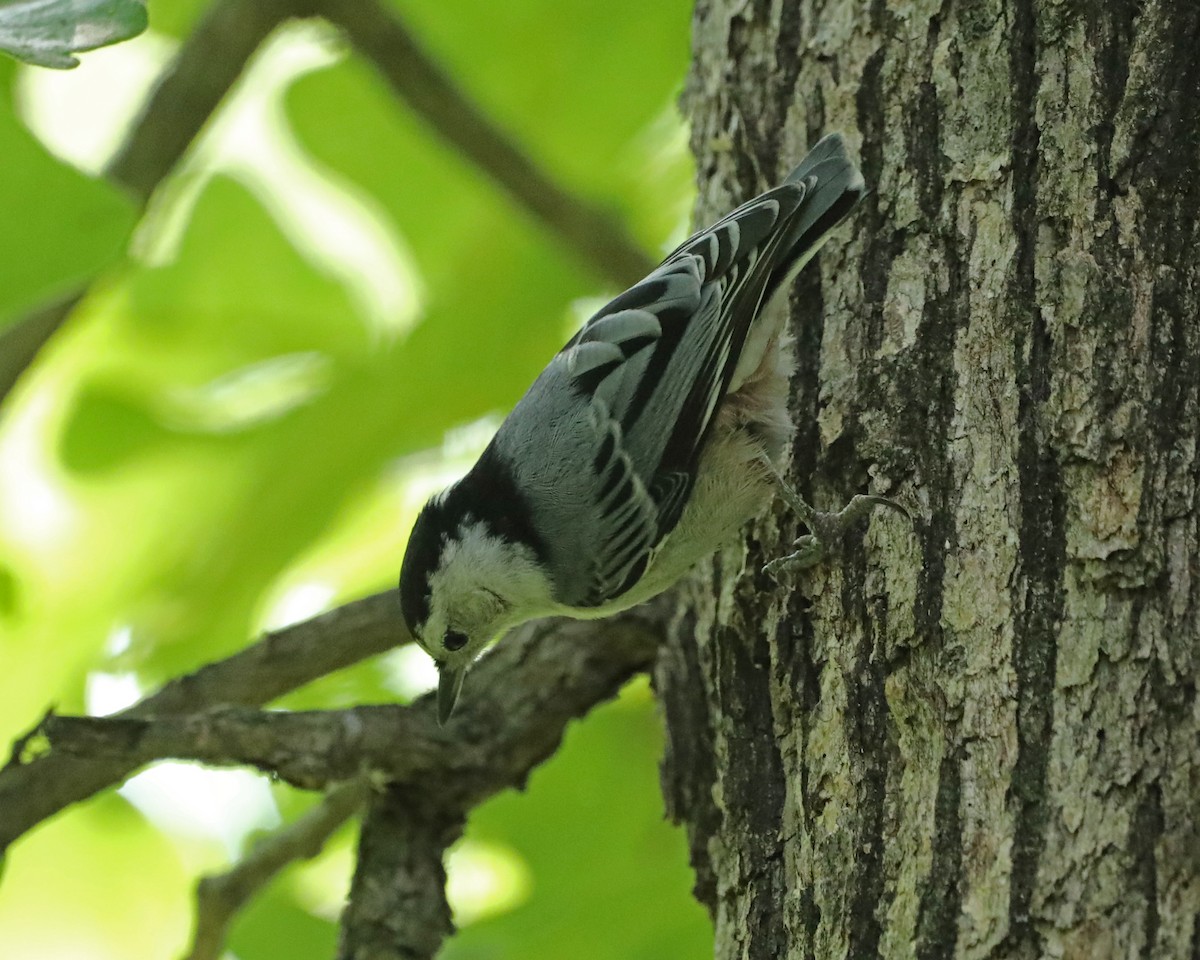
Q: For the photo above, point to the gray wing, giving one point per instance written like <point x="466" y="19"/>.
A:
<point x="608" y="439"/>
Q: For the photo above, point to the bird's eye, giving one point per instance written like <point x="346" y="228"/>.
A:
<point x="454" y="640"/>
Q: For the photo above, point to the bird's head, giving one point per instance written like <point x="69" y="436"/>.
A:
<point x="462" y="584"/>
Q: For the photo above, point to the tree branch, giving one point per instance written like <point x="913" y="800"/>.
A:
<point x="513" y="717"/>
<point x="280" y="662"/>
<point x="397" y="906"/>
<point x="596" y="236"/>
<point x="20" y="343"/>
<point x="308" y="749"/>
<point x="514" y="712"/>
<point x="516" y="704"/>
<point x="220" y="897"/>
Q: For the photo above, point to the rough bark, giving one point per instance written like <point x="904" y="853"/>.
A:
<point x="977" y="736"/>
<point x="397" y="908"/>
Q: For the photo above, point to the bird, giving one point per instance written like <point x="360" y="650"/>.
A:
<point x="646" y="443"/>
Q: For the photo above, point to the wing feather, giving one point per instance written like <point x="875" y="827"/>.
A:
<point x="645" y="377"/>
<point x="676" y="333"/>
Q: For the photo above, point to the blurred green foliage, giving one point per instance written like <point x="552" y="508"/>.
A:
<point x="47" y="250"/>
<point x="235" y="427"/>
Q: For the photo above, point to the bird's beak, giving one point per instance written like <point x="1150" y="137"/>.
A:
<point x="450" y="682"/>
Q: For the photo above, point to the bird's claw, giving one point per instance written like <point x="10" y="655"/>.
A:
<point x="827" y="529"/>
<point x="809" y="552"/>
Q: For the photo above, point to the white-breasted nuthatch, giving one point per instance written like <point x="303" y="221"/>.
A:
<point x="646" y="444"/>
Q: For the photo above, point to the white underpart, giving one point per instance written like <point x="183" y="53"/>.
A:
<point x="734" y="483"/>
<point x="766" y="330"/>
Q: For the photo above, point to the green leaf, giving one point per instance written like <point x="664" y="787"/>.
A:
<point x="10" y="592"/>
<point x="47" y="32"/>
<point x="239" y="292"/>
<point x="497" y="288"/>
<point x="223" y="426"/>
<point x="602" y="72"/>
<point x="275" y="925"/>
<point x="109" y="428"/>
<point x="175" y="411"/>
<point x="498" y="285"/>
<point x="177" y="18"/>
<point x="59" y="227"/>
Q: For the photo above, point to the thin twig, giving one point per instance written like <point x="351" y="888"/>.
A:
<point x="219" y="898"/>
<point x="591" y="232"/>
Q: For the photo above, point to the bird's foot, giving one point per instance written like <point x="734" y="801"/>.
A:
<point x="826" y="529"/>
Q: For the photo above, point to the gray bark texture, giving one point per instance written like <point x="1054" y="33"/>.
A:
<point x="976" y="735"/>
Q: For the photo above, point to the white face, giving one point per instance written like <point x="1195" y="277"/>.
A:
<point x="483" y="586"/>
<point x="463" y="619"/>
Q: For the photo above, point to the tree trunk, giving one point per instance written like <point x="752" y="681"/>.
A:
<point x="976" y="735"/>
